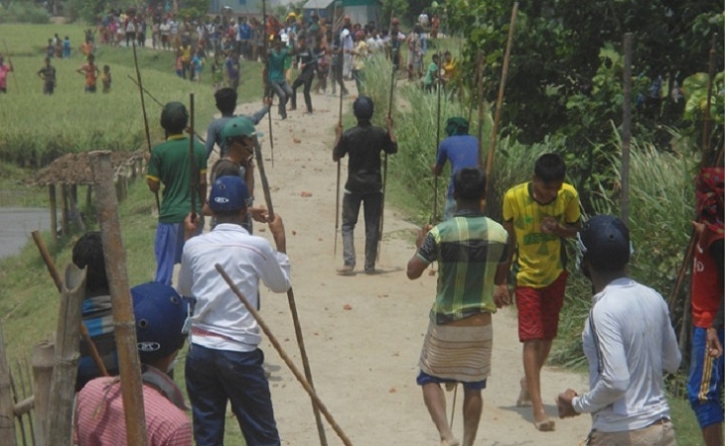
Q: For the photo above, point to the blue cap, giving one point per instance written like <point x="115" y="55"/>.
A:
<point x="228" y="193"/>
<point x="160" y="313"/>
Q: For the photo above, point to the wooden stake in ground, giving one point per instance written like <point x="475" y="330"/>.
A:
<point x="290" y="298"/>
<point x="193" y="176"/>
<point x="59" y="426"/>
<point x="306" y="383"/>
<point x="121" y="304"/>
<point x="143" y="109"/>
<point x="55" y="275"/>
<point x="499" y="102"/>
<point x="7" y="417"/>
<point x="626" y="128"/>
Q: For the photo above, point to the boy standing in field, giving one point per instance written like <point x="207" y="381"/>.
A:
<point x="47" y="74"/>
<point x="170" y="164"/>
<point x="538" y="214"/>
<point x="91" y="72"/>
<point x="66" y="48"/>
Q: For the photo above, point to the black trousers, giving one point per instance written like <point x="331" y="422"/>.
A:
<point x="305" y="78"/>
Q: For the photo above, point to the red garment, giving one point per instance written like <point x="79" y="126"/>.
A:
<point x="707" y="289"/>
<point x="100" y="420"/>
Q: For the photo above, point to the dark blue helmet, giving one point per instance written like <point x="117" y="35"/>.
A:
<point x="604" y="242"/>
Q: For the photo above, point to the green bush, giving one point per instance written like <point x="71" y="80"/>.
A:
<point x="24" y="13"/>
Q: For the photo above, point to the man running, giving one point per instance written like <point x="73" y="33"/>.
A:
<point x="226" y="103"/>
<point x="461" y="150"/>
<point x="363" y="143"/>
<point x="277" y="82"/>
<point x="629" y="342"/>
<point x="471" y="253"/>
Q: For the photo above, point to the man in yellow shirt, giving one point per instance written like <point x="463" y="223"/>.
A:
<point x="538" y="215"/>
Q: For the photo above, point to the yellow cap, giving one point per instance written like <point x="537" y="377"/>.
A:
<point x="291" y="15"/>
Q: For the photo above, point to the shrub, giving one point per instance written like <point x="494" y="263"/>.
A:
<point x="24" y="13"/>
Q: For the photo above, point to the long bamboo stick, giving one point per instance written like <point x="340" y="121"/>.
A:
<point x="193" y="175"/>
<point x="7" y="420"/>
<point x="626" y="128"/>
<point x="316" y="401"/>
<point x="121" y="304"/>
<point x="499" y="102"/>
<point x="291" y="299"/>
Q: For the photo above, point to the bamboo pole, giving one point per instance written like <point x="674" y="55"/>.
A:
<point x="385" y="164"/>
<point x="316" y="401"/>
<point x="53" y="214"/>
<point x="55" y="275"/>
<point x="291" y="299"/>
<point x="42" y="376"/>
<point x="626" y="128"/>
<point x="7" y="419"/>
<point x="28" y="401"/>
<point x="193" y="176"/>
<point x="499" y="101"/>
<point x="59" y="425"/>
<point x="706" y="124"/>
<point x="479" y="71"/>
<point x="17" y="397"/>
<point x="121" y="304"/>
<point x="265" y="81"/>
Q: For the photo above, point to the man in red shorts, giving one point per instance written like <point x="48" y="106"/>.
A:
<point x="538" y="214"/>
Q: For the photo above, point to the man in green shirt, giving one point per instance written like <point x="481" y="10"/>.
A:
<point x="431" y="76"/>
<point x="170" y="164"/>
<point x="277" y="82"/>
<point x="471" y="251"/>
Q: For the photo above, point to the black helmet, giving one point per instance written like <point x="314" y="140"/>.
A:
<point x="363" y="107"/>
<point x="604" y="242"/>
<point x="174" y="117"/>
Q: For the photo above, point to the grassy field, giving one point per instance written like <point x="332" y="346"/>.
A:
<point x="37" y="128"/>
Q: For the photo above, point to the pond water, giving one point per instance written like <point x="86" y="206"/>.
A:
<point x="16" y="224"/>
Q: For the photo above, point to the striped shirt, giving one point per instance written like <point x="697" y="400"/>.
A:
<point x="468" y="248"/>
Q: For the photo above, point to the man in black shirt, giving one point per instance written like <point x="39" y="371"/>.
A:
<point x="363" y="143"/>
<point x="307" y="63"/>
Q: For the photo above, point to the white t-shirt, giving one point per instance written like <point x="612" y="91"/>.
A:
<point x="628" y="340"/>
<point x="247" y="259"/>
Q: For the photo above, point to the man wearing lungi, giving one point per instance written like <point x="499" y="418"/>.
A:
<point x="471" y="251"/>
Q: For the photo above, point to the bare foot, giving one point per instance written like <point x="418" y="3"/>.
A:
<point x="450" y="442"/>
<point x="524" y="400"/>
<point x="546" y="425"/>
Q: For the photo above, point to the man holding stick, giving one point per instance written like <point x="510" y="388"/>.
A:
<point x="471" y="254"/>
<point x="170" y="165"/>
<point x="224" y="363"/>
<point x="363" y="143"/>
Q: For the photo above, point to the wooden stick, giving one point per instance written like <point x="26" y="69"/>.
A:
<point x="626" y="128"/>
<point x="337" y="190"/>
<point x="121" y="304"/>
<point x="59" y="426"/>
<point x="17" y="397"/>
<point x="708" y="104"/>
<point x="143" y="109"/>
<point x="291" y="299"/>
<point x="306" y="383"/>
<point x="28" y="400"/>
<point x="385" y="165"/>
<point x="265" y="81"/>
<point x="499" y="102"/>
<point x="434" y="215"/>
<point x="7" y="420"/>
<point x="479" y="79"/>
<point x="42" y="376"/>
<point x="193" y="176"/>
<point x="453" y="406"/>
<point x="55" y="275"/>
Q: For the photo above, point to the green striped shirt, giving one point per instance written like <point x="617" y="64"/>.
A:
<point x="468" y="248"/>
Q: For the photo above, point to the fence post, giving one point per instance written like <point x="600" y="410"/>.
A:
<point x="43" y="353"/>
<point x="7" y="407"/>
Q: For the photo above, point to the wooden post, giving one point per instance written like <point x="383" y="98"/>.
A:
<point x="626" y="128"/>
<point x="42" y="375"/>
<point x="7" y="417"/>
<point x="53" y="214"/>
<point x="121" y="304"/>
<point x="499" y="101"/>
<point x="64" y="210"/>
<point x="89" y="196"/>
<point x="75" y="213"/>
<point x="59" y="425"/>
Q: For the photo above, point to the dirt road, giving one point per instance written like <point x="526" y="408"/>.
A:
<point x="364" y="333"/>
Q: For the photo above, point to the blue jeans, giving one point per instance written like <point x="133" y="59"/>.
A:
<point x="214" y="377"/>
<point x="168" y="246"/>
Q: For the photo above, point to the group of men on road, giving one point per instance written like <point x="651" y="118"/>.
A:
<point x="628" y="338"/>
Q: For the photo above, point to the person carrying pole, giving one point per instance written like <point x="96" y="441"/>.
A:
<point x="461" y="150"/>
<point x="170" y="165"/>
<point x="538" y="215"/>
<point x="471" y="286"/>
<point x="159" y="313"/>
<point x="363" y="143"/>
<point x="224" y="363"/>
